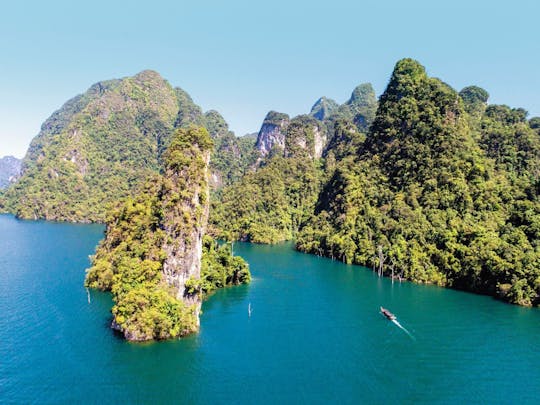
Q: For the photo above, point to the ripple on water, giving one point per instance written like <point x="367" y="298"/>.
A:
<point x="315" y="335"/>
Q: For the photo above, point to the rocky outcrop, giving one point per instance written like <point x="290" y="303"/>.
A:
<point x="321" y="140"/>
<point x="151" y="256"/>
<point x="185" y="201"/>
<point x="272" y="133"/>
<point x="301" y="135"/>
<point x="305" y="136"/>
<point x="10" y="168"/>
<point x="310" y="133"/>
<point x="323" y="108"/>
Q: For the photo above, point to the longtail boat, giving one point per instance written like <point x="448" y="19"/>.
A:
<point x="388" y="314"/>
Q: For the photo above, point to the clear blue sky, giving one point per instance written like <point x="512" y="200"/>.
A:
<point x="244" y="58"/>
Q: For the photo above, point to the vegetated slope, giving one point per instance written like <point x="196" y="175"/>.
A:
<point x="443" y="190"/>
<point x="96" y="149"/>
<point x="270" y="202"/>
<point x="359" y="109"/>
<point x="155" y="258"/>
<point x="232" y="155"/>
<point x="102" y="145"/>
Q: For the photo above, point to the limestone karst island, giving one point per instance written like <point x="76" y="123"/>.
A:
<point x="386" y="232"/>
<point x="424" y="184"/>
<point x="279" y="203"/>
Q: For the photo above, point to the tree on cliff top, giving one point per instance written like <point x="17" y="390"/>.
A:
<point x="422" y="189"/>
<point x="129" y="262"/>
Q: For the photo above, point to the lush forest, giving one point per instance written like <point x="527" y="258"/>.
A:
<point x="102" y="145"/>
<point x="149" y="258"/>
<point x="426" y="183"/>
<point x="269" y="203"/>
<point x="444" y="190"/>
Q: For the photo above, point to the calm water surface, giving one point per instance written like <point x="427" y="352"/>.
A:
<point x="315" y="335"/>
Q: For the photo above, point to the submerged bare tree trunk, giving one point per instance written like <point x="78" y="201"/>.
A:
<point x="382" y="259"/>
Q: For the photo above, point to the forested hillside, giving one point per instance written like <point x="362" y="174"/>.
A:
<point x="426" y="183"/>
<point x="269" y="203"/>
<point x="443" y="190"/>
<point x="155" y="258"/>
<point x="103" y="144"/>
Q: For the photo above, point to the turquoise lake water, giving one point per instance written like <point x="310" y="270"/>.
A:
<point x="315" y="335"/>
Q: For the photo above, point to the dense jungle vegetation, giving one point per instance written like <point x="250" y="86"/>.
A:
<point x="427" y="183"/>
<point x="145" y="231"/>
<point x="435" y="187"/>
<point x="101" y="146"/>
<point x="444" y="190"/>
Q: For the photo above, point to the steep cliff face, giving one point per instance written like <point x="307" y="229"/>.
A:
<point x="312" y="132"/>
<point x="301" y="135"/>
<point x="153" y="247"/>
<point x="10" y="168"/>
<point x="305" y="136"/>
<point x="272" y="133"/>
<point x="185" y="201"/>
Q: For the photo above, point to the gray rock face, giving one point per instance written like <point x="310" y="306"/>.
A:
<point x="10" y="168"/>
<point x="272" y="133"/>
<point x="302" y="135"/>
<point x="305" y="136"/>
<point x="320" y="141"/>
<point x="185" y="225"/>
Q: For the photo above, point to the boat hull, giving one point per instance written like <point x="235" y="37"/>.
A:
<point x="389" y="315"/>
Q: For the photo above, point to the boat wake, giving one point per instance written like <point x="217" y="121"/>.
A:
<point x="403" y="329"/>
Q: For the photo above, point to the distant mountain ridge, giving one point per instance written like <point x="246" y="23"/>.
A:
<point x="10" y="167"/>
